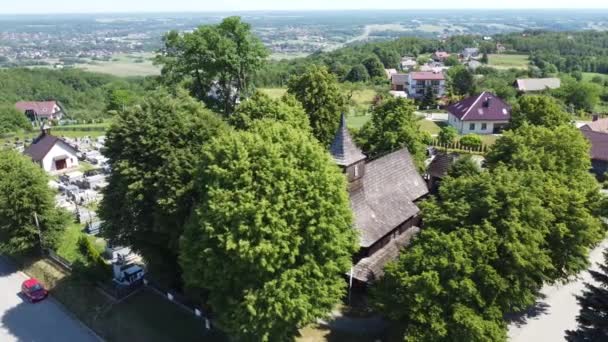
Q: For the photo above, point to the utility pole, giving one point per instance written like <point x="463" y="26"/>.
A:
<point x="39" y="232"/>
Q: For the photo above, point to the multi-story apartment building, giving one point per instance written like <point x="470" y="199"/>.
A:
<point x="418" y="81"/>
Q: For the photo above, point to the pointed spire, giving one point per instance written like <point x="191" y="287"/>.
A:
<point x="343" y="149"/>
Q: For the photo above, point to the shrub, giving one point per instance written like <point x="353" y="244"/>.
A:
<point x="470" y="141"/>
<point x="96" y="267"/>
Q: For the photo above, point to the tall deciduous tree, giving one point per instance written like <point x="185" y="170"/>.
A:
<point x="593" y="316"/>
<point x="358" y="73"/>
<point x="447" y="135"/>
<point x="461" y="80"/>
<point x="374" y="67"/>
<point x="323" y="101"/>
<point x="393" y="125"/>
<point x="272" y="234"/>
<point x="153" y="150"/>
<point x="481" y="255"/>
<point x="218" y="58"/>
<point x="261" y="106"/>
<point x="24" y="194"/>
<point x="570" y="192"/>
<point x="12" y="120"/>
<point x="539" y="110"/>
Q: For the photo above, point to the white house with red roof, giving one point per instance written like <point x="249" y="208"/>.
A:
<point x="482" y="114"/>
<point x="40" y="110"/>
<point x="418" y="81"/>
<point x="52" y="153"/>
<point x="440" y="56"/>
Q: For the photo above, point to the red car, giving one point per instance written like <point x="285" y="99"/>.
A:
<point x="33" y="290"/>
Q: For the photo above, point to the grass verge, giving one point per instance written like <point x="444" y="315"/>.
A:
<point x="145" y="316"/>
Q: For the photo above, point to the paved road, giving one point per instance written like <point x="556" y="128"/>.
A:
<point x="557" y="312"/>
<point x="41" y="322"/>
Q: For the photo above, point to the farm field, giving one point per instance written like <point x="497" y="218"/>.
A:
<point x="124" y="66"/>
<point x="502" y="61"/>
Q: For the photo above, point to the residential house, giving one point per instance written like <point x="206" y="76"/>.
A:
<point x="482" y="114"/>
<point x="438" y="169"/>
<point x="52" y="153"/>
<point x="408" y="63"/>
<point x="596" y="133"/>
<point x="399" y="82"/>
<point x="418" y="81"/>
<point x="527" y="85"/>
<point x="473" y="64"/>
<point x="598" y="152"/>
<point x="41" y="110"/>
<point x="383" y="196"/>
<point x="470" y="53"/>
<point x="440" y="56"/>
<point x="597" y="124"/>
<point x="390" y="72"/>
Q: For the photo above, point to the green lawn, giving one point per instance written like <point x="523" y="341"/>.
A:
<point x="488" y="139"/>
<point x="502" y="61"/>
<point x="362" y="97"/>
<point x="274" y="93"/>
<point x="429" y="126"/>
<point x="588" y="76"/>
<point x="146" y="316"/>
<point x="68" y="244"/>
<point x="357" y="121"/>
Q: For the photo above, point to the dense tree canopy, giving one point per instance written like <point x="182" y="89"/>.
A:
<point x="393" y="125"/>
<point x="447" y="135"/>
<point x="271" y="237"/>
<point x="153" y="150"/>
<point x="539" y="110"/>
<point x="374" y="67"/>
<point x="480" y="255"/>
<point x="543" y="149"/>
<point x="261" y="106"/>
<point x="12" y="120"/>
<point x="580" y="95"/>
<point x="24" y="194"/>
<point x="461" y="80"/>
<point x="323" y="101"/>
<point x="218" y="58"/>
<point x="570" y="192"/>
<point x="84" y="95"/>
<point x="358" y="73"/>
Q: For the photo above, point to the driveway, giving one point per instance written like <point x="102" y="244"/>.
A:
<point x="557" y="311"/>
<point x="45" y="321"/>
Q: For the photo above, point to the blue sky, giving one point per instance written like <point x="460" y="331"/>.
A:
<point x="86" y="6"/>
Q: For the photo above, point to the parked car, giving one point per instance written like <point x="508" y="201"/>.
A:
<point x="34" y="290"/>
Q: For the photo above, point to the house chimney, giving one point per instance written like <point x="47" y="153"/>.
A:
<point x="487" y="102"/>
<point x="595" y="117"/>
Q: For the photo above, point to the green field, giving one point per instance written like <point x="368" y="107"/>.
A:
<point x="274" y="93"/>
<point x="124" y="66"/>
<point x="588" y="76"/>
<point x="508" y="61"/>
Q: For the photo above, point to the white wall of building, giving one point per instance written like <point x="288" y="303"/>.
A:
<point x="476" y="127"/>
<point x="416" y="88"/>
<point x="59" y="149"/>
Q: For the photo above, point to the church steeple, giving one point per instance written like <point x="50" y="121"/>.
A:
<point x="348" y="156"/>
<point x="343" y="149"/>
